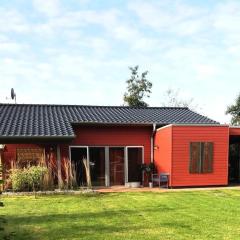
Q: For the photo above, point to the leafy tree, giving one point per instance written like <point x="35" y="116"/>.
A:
<point x="234" y="110"/>
<point x="138" y="87"/>
<point x="172" y="99"/>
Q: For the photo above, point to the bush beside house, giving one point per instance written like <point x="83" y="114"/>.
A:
<point x="28" y="179"/>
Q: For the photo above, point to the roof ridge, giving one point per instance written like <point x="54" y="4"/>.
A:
<point x="93" y="106"/>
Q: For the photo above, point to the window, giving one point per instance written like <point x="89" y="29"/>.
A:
<point x="201" y="157"/>
<point x="29" y="156"/>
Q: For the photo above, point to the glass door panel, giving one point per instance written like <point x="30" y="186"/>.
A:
<point x="116" y="159"/>
<point x="97" y="165"/>
<point x="135" y="156"/>
<point x="77" y="156"/>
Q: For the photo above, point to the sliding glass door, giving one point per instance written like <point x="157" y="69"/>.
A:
<point x="109" y="166"/>
<point x="116" y="160"/>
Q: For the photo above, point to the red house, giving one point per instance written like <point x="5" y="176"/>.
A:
<point x="194" y="150"/>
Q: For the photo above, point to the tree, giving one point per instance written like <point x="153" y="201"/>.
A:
<point x="172" y="99"/>
<point x="234" y="110"/>
<point x="138" y="87"/>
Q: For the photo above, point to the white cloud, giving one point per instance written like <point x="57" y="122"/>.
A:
<point x="179" y="18"/>
<point x="12" y="47"/>
<point x="125" y="33"/>
<point x="12" y="21"/>
<point x="226" y="16"/>
<point x="50" y="8"/>
<point x="206" y="71"/>
<point x="100" y="46"/>
<point x="225" y="20"/>
<point x="73" y="19"/>
<point x="71" y="24"/>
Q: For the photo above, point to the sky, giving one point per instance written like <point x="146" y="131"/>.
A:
<point x="79" y="51"/>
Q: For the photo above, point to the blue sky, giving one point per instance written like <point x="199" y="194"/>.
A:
<point x="78" y="51"/>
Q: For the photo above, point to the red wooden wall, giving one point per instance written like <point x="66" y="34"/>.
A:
<point x="179" y="158"/>
<point x="10" y="150"/>
<point x="182" y="136"/>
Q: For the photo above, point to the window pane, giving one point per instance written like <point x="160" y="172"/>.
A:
<point x="77" y="156"/>
<point x="195" y="157"/>
<point x="29" y="157"/>
<point x="207" y="157"/>
<point x="134" y="164"/>
<point x="97" y="165"/>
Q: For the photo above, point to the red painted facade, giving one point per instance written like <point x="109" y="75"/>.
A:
<point x="179" y="156"/>
<point x="171" y="148"/>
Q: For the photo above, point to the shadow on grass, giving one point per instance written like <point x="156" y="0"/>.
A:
<point x="10" y="233"/>
<point x="84" y="224"/>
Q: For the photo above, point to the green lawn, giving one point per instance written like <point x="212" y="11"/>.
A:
<point x="174" y="215"/>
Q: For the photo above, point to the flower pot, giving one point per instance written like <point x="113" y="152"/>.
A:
<point x="133" y="184"/>
<point x="150" y="184"/>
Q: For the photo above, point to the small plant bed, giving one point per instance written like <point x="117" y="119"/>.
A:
<point x="171" y="215"/>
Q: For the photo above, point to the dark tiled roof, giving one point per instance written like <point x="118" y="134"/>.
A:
<point x="33" y="120"/>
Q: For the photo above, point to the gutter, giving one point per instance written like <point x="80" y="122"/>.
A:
<point x="152" y="142"/>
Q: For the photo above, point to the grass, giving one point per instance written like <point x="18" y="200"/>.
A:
<point x="174" y="215"/>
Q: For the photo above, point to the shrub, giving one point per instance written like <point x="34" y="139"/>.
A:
<point x="35" y="176"/>
<point x="27" y="178"/>
<point x="19" y="179"/>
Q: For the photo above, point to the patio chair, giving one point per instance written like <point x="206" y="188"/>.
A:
<point x="156" y="179"/>
<point x="164" y="180"/>
<point x="161" y="179"/>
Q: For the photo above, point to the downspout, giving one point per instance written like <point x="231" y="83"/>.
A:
<point x="152" y="142"/>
